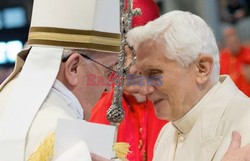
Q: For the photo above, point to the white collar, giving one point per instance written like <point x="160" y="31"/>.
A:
<point x="186" y="123"/>
<point x="69" y="97"/>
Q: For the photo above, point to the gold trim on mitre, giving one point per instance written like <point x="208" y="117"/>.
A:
<point x="74" y="38"/>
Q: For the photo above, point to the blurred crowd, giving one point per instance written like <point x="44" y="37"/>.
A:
<point x="232" y="11"/>
<point x="235" y="59"/>
<point x="236" y="13"/>
<point x="235" y="44"/>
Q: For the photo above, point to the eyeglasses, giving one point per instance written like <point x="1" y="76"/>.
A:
<point x="86" y="57"/>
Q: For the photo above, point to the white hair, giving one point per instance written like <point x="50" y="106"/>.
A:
<point x="185" y="37"/>
<point x="67" y="53"/>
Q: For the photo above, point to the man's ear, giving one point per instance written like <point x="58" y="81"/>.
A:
<point x="204" y="68"/>
<point x="72" y="69"/>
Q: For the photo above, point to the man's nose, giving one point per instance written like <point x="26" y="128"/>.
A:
<point x="146" y="89"/>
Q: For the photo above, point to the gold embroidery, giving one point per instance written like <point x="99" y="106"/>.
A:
<point x="121" y="150"/>
<point x="45" y="150"/>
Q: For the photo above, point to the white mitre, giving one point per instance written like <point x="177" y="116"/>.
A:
<point x="55" y="25"/>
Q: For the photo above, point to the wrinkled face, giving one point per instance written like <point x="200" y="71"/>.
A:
<point x="174" y="90"/>
<point x="94" y="79"/>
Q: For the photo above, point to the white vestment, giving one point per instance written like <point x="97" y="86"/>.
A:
<point x="204" y="133"/>
<point x="60" y="103"/>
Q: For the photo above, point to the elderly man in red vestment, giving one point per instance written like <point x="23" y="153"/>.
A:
<point x="232" y="55"/>
<point x="243" y="80"/>
<point x="140" y="126"/>
<point x="234" y="59"/>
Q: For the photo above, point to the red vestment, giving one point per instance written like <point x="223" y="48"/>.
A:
<point x="242" y="82"/>
<point x="139" y="128"/>
<point x="243" y="85"/>
<point x="231" y="64"/>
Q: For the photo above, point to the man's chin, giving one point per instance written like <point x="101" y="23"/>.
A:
<point x="161" y="115"/>
<point x="162" y="110"/>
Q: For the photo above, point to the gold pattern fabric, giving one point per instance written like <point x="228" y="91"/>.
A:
<point x="121" y="150"/>
<point x="45" y="150"/>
